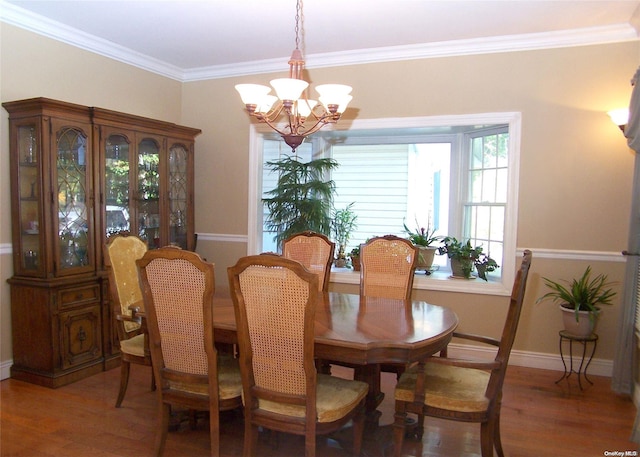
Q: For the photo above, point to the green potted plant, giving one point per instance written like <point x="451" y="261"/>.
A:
<point x="580" y="300"/>
<point x="342" y="225"/>
<point x="302" y="199"/>
<point x="354" y="255"/>
<point x="465" y="258"/>
<point x="423" y="238"/>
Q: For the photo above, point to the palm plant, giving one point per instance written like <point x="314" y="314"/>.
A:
<point x="302" y="199"/>
<point x="343" y="224"/>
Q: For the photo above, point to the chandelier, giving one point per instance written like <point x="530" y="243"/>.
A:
<point x="291" y="113"/>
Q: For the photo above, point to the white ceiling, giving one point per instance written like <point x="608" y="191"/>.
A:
<point x="191" y="39"/>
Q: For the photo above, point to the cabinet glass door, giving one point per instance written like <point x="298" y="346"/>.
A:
<point x="29" y="158"/>
<point x="178" y="195"/>
<point x="148" y="201"/>
<point x="117" y="184"/>
<point x="71" y="198"/>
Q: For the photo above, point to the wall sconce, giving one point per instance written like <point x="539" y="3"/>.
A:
<point x="620" y="117"/>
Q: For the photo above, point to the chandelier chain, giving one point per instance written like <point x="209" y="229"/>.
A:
<point x="298" y="24"/>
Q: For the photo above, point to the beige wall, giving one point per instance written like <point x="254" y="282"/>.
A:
<point x="575" y="176"/>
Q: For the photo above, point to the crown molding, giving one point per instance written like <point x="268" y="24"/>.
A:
<point x="24" y="19"/>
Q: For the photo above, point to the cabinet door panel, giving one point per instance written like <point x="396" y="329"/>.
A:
<point x="29" y="253"/>
<point x="148" y="198"/>
<point x="179" y="195"/>
<point x="73" y="202"/>
<point x="80" y="335"/>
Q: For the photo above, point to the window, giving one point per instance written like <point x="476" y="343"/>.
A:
<point x="456" y="173"/>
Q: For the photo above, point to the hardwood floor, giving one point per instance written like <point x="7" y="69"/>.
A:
<point x="539" y="418"/>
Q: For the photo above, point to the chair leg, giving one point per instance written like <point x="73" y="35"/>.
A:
<point x="214" y="432"/>
<point x="153" y="380"/>
<point x="310" y="444"/>
<point x="163" y="427"/>
<point x="124" y="381"/>
<point x="250" y="438"/>
<point x="497" y="442"/>
<point x="399" y="428"/>
<point x="487" y="430"/>
<point x="358" y="431"/>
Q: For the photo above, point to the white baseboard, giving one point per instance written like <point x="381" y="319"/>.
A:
<point x="597" y="367"/>
<point x="5" y="367"/>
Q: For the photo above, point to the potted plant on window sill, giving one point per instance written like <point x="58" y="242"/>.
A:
<point x="354" y="255"/>
<point x="580" y="301"/>
<point x="465" y="258"/>
<point x="343" y="224"/>
<point x="423" y="238"/>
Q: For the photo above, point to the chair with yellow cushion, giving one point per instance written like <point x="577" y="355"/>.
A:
<point x="121" y="252"/>
<point x="275" y="301"/>
<point x="313" y="250"/>
<point x="463" y="390"/>
<point x="178" y="288"/>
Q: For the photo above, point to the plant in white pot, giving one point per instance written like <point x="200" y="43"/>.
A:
<point x="580" y="300"/>
<point x="422" y="238"/>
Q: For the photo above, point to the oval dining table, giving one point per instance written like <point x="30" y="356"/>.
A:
<point x="365" y="331"/>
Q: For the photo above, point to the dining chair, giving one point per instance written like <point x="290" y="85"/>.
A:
<point x="178" y="288"/>
<point x="388" y="264"/>
<point x="463" y="390"/>
<point x="121" y="252"/>
<point x="275" y="301"/>
<point x="313" y="250"/>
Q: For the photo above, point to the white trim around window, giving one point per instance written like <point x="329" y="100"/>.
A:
<point x="438" y="280"/>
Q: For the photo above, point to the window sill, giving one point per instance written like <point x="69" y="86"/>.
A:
<point x="438" y="280"/>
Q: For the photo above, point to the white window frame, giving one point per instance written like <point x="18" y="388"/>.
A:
<point x="438" y="280"/>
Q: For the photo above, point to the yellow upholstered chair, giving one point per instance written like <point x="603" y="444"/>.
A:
<point x="388" y="264"/>
<point x="463" y="390"/>
<point x="178" y="288"/>
<point x="121" y="253"/>
<point x="313" y="250"/>
<point x="275" y="300"/>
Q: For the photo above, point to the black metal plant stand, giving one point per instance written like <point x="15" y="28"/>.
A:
<point x="582" y="369"/>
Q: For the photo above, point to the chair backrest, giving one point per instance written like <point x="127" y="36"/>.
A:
<point x="313" y="250"/>
<point x="178" y="288"/>
<point x="275" y="301"/>
<point x="121" y="252"/>
<point x="388" y="266"/>
<point x="511" y="324"/>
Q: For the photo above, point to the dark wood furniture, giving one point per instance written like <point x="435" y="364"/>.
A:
<point x="364" y="331"/>
<point x="463" y="390"/>
<point x="80" y="173"/>
<point x="178" y="287"/>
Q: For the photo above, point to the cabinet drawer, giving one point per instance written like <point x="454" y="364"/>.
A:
<point x="78" y="295"/>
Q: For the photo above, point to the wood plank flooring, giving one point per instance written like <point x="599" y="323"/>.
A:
<point x="540" y="418"/>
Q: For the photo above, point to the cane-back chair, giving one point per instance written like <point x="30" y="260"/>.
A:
<point x="388" y="264"/>
<point x="178" y="288"/>
<point x="313" y="250"/>
<point x="121" y="252"/>
<point x="275" y="300"/>
<point x="463" y="390"/>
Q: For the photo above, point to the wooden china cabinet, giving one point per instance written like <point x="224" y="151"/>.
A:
<point x="78" y="175"/>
